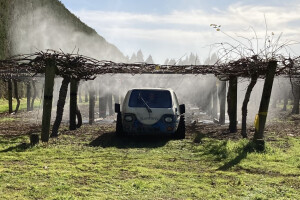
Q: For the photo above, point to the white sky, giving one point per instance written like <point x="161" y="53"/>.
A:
<point x="174" y="28"/>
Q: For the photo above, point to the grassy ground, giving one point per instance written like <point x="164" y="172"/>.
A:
<point x="92" y="163"/>
<point x="23" y="104"/>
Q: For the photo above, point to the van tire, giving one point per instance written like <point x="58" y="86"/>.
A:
<point x="180" y="132"/>
<point x="119" y="126"/>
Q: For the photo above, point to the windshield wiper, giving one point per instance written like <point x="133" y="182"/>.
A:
<point x="146" y="105"/>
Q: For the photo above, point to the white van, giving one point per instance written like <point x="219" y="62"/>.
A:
<point x="150" y="111"/>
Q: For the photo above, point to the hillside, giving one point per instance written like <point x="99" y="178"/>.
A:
<point x="32" y="25"/>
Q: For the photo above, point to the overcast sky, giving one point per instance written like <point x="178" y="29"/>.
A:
<point x="174" y="28"/>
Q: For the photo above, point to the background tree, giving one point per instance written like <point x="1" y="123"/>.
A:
<point x="149" y="60"/>
<point x="139" y="56"/>
<point x="133" y="58"/>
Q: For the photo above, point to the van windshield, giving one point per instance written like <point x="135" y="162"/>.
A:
<point x="151" y="98"/>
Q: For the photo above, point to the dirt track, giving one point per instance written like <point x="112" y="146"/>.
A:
<point x="25" y="123"/>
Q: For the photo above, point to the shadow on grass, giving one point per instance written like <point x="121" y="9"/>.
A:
<point x="112" y="140"/>
<point x="19" y="148"/>
<point x="218" y="149"/>
<point x="7" y="140"/>
<point x="249" y="148"/>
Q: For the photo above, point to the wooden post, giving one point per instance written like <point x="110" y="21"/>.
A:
<point x="110" y="105"/>
<point x="296" y="95"/>
<point x="34" y="139"/>
<point x="91" y="106"/>
<point x="208" y="104"/>
<point x="86" y="96"/>
<point x="60" y="106"/>
<point x="28" y="94"/>
<point x="10" y="109"/>
<point x="22" y="90"/>
<point x="265" y="100"/>
<point x="48" y="97"/>
<point x="215" y="100"/>
<point x="79" y="118"/>
<point x="79" y="93"/>
<point x="250" y="87"/>
<point x="285" y="101"/>
<point x="222" y="101"/>
<point x="102" y="105"/>
<point x="73" y="103"/>
<point x="232" y="104"/>
<point x="34" y="95"/>
<point x="16" y="95"/>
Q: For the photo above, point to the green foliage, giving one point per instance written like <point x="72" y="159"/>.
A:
<point x="107" y="167"/>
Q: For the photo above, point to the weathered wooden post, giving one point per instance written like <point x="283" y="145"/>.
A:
<point x="285" y="101"/>
<point x="60" y="105"/>
<point x="79" y="93"/>
<point x="296" y="95"/>
<point x="50" y="69"/>
<point x="110" y="105"/>
<point x="208" y="104"/>
<point x="91" y="106"/>
<point x="9" y="84"/>
<point x="16" y="95"/>
<point x="102" y="105"/>
<point x="222" y="101"/>
<point x="79" y="118"/>
<point x="34" y="95"/>
<point x="264" y="103"/>
<point x="250" y="87"/>
<point x="86" y="96"/>
<point x="215" y="100"/>
<point x="285" y="94"/>
<point x="28" y="94"/>
<point x="73" y="103"/>
<point x="232" y="104"/>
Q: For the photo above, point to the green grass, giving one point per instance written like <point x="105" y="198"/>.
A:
<point x="7" y="119"/>
<point x="23" y="104"/>
<point x="86" y="167"/>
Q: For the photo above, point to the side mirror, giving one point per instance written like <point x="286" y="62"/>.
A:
<point x="182" y="108"/>
<point x="117" y="108"/>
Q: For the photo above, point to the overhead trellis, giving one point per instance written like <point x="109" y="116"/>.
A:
<point x="74" y="67"/>
<point x="77" y="66"/>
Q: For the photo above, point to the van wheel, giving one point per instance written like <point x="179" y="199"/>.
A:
<point x="180" y="132"/>
<point x="119" y="127"/>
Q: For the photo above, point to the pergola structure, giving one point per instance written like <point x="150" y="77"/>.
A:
<point x="83" y="67"/>
<point x="75" y="67"/>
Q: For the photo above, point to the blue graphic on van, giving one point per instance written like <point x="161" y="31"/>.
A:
<point x="136" y="127"/>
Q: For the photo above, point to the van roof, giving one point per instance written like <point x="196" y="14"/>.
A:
<point x="169" y="89"/>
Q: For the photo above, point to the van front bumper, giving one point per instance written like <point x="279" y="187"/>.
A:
<point x="135" y="127"/>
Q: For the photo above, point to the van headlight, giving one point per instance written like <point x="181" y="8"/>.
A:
<point x="128" y="118"/>
<point x="168" y="119"/>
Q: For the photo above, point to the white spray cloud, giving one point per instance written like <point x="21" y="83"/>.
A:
<point x="40" y="30"/>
